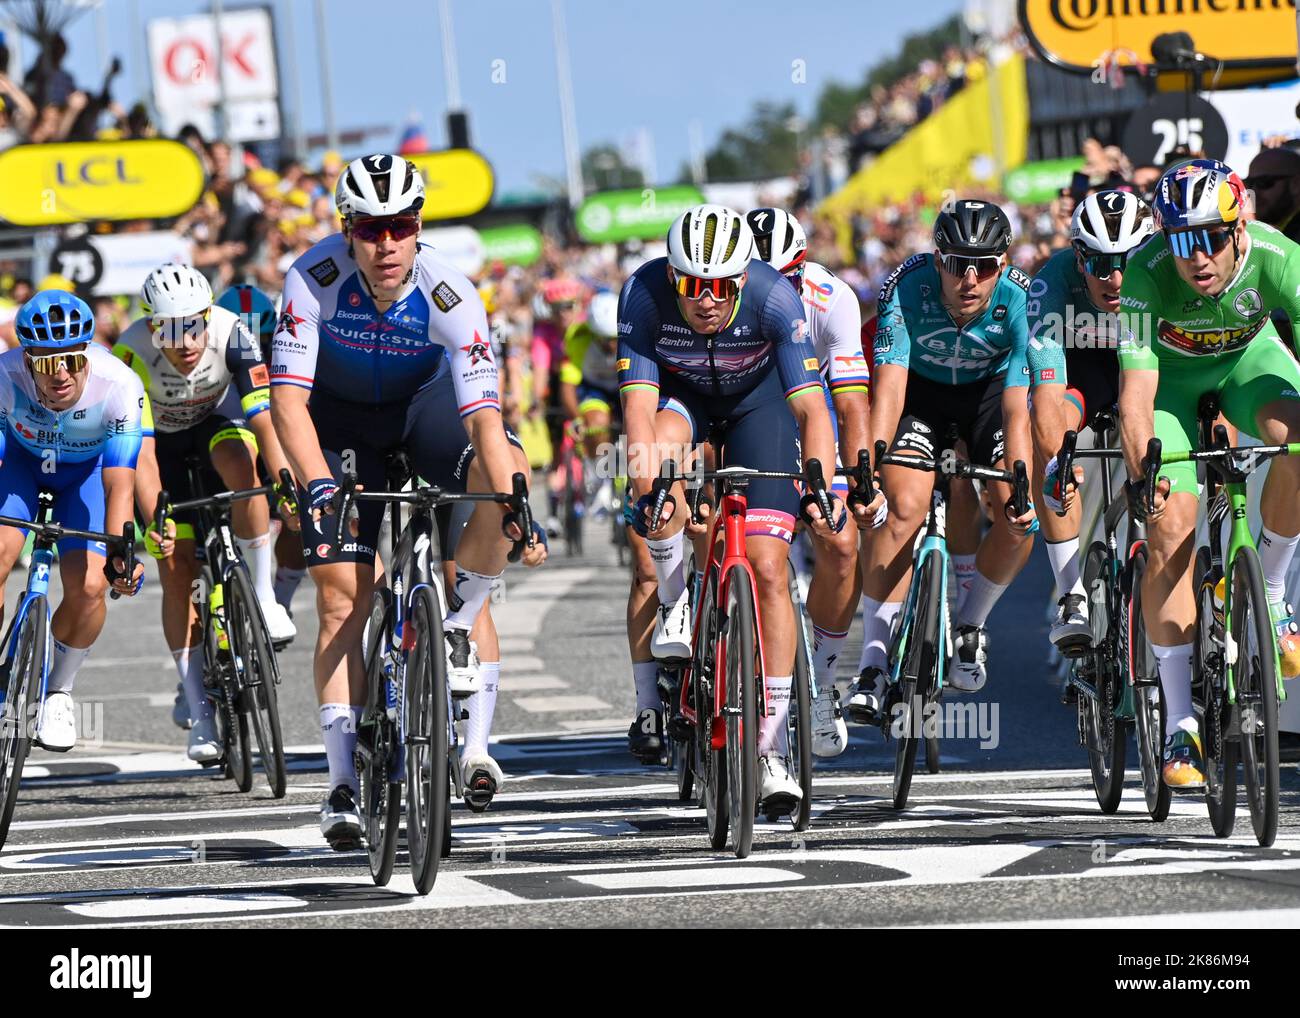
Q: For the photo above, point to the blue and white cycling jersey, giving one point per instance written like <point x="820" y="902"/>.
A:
<point x="767" y="331"/>
<point x="916" y="331"/>
<point x="103" y="425"/>
<point x="331" y="336"/>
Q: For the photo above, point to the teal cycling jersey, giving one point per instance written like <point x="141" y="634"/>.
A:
<point x="1062" y="316"/>
<point x="915" y="331"/>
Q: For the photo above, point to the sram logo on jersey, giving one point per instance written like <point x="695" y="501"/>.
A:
<point x="324" y="272"/>
<point x="445" y="297"/>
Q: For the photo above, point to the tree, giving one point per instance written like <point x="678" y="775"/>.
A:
<point x="603" y="169"/>
<point x="764" y="146"/>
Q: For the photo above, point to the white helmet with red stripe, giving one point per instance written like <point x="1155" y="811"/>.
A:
<point x="779" y="238"/>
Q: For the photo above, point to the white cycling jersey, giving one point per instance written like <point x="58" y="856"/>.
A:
<point x="331" y="337"/>
<point x="178" y="401"/>
<point x="835" y="329"/>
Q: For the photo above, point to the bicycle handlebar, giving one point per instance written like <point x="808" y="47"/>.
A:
<point x="221" y="498"/>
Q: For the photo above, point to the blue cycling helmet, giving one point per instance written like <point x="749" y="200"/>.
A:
<point x="254" y="308"/>
<point x="55" y="318"/>
<point x="1199" y="192"/>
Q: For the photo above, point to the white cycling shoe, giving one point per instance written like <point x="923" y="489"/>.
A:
<point x="278" y="624"/>
<point x="830" y="735"/>
<point x="463" y="673"/>
<point x="778" y="792"/>
<point x="483" y="779"/>
<point x="57" y="731"/>
<point x="1071" y="632"/>
<point x="340" y="821"/>
<point x="204" y="747"/>
<point x="181" y="708"/>
<point x="968" y="670"/>
<point x="672" y="636"/>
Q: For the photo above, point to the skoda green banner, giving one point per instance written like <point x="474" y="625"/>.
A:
<point x="517" y="244"/>
<point x="1037" y="183"/>
<point x="638" y="214"/>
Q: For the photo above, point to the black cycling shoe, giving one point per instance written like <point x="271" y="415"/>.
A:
<point x="866" y="704"/>
<point x="645" y="739"/>
<point x="340" y="821"/>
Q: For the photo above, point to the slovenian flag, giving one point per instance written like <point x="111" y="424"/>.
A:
<point x="413" y="139"/>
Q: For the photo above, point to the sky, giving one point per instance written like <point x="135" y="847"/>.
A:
<point x="634" y="65"/>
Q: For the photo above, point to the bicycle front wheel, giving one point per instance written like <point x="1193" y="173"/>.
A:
<point x="799" y="723"/>
<point x="919" y="679"/>
<point x="743" y="674"/>
<point x="223" y="690"/>
<point x="258" y="673"/>
<point x="381" y="797"/>
<point x="1107" y="733"/>
<point x="426" y="733"/>
<point x="1148" y="697"/>
<point x="22" y="697"/>
<point x="704" y="678"/>
<point x="1222" y="747"/>
<point x="1254" y="674"/>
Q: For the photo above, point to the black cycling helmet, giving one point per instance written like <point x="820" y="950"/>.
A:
<point x="972" y="228"/>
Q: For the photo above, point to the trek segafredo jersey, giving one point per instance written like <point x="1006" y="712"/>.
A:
<point x="331" y="337"/>
<point x="916" y="331"/>
<point x="104" y="423"/>
<point x="835" y="329"/>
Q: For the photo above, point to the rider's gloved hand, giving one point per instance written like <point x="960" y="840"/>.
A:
<point x="641" y="521"/>
<point x="1058" y="495"/>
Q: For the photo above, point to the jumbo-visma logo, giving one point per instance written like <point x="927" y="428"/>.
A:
<point x="45" y="185"/>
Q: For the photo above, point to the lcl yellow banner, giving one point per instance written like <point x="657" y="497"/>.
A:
<point x="1241" y="33"/>
<point x="45" y="185"/>
<point x="457" y="182"/>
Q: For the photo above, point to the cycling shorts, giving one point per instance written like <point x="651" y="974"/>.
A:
<point x="78" y="494"/>
<point x="931" y="409"/>
<point x="173" y="448"/>
<point x="1092" y="382"/>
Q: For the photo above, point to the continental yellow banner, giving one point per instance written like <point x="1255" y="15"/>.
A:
<point x="46" y="185"/>
<point x="1076" y="33"/>
<point x="954" y="148"/>
<point x="457" y="182"/>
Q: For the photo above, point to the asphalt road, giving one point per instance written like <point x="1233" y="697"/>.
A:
<point x="124" y="831"/>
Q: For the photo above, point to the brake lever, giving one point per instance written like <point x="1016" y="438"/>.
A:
<point x="662" y="491"/>
<point x="128" y="554"/>
<point x="1020" y="495"/>
<point x="519" y="504"/>
<point x="1151" y="467"/>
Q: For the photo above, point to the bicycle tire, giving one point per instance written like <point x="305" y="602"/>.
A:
<point x="932" y="753"/>
<point x="1255" y="677"/>
<point x="1109" y="734"/>
<point x="259" y="700"/>
<point x="381" y="798"/>
<point x="799" y="723"/>
<point x="427" y="770"/>
<point x="23" y="690"/>
<point x="572" y="521"/>
<point x="1148" y="695"/>
<point x="918" y="675"/>
<point x="1209" y="681"/>
<point x="742" y="677"/>
<point x="232" y="726"/>
<point x="713" y="769"/>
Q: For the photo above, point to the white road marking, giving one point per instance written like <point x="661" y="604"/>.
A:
<point x="521" y="683"/>
<point x="708" y="876"/>
<point x="520" y="663"/>
<point x="614" y="726"/>
<point x="555" y="704"/>
<point x="144" y="908"/>
<point x="1259" y="919"/>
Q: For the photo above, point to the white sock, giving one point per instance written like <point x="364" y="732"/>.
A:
<point x="668" y="555"/>
<point x="1275" y="554"/>
<point x="645" y="675"/>
<point x="979" y="600"/>
<point x="189" y="664"/>
<point x="877" y="619"/>
<point x="1064" y="556"/>
<point x="827" y="645"/>
<point x="465" y="599"/>
<point x="482" y="705"/>
<point x="964" y="567"/>
<point x="773" y="738"/>
<point x="63" y="671"/>
<point x="286" y="584"/>
<point x="1175" y="667"/>
<point x="260" y="556"/>
<point x="338" y="724"/>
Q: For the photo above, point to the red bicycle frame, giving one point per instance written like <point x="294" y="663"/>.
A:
<point x="725" y="557"/>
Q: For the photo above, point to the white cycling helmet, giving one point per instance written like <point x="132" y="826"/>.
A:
<point x="602" y="315"/>
<point x="711" y="242"/>
<point x="176" y="291"/>
<point x="779" y="238"/>
<point x="379" y="185"/>
<point x="1111" y="222"/>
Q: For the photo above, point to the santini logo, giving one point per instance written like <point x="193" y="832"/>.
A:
<point x="102" y="972"/>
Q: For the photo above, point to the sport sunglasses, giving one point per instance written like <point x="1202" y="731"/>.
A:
<point x="49" y="364"/>
<point x="1102" y="266"/>
<point x="397" y="227"/>
<point x="694" y="288"/>
<point x="985" y="266"/>
<point x="1184" y="243"/>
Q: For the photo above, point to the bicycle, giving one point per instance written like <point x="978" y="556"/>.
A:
<point x="920" y="648"/>
<point x="1236" y="677"/>
<point x="241" y="675"/>
<point x="28" y="646"/>
<point x="407" y="729"/>
<point x="1114" y="679"/>
<point x="723" y="681"/>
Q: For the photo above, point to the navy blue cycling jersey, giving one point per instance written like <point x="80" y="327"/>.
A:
<point x="767" y="332"/>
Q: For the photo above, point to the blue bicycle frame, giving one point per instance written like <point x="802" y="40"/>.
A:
<point x="38" y="589"/>
<point x="934" y="542"/>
